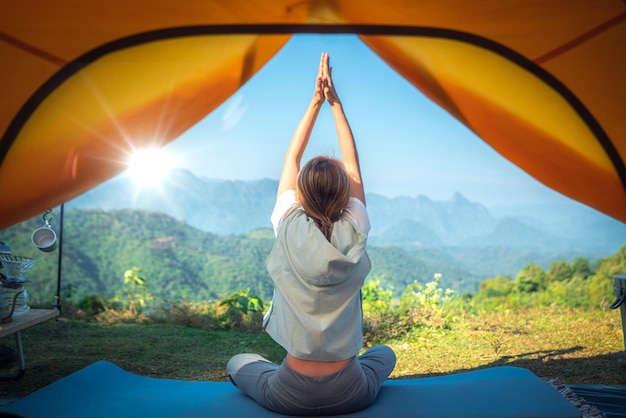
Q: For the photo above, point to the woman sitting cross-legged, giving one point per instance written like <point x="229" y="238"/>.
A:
<point x="318" y="264"/>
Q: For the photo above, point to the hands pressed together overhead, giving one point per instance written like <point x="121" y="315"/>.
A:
<point x="324" y="88"/>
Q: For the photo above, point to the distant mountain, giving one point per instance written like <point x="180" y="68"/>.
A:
<point x="406" y="233"/>
<point x="217" y="206"/>
<point x="450" y="220"/>
<point x="456" y="227"/>
<point x="515" y="233"/>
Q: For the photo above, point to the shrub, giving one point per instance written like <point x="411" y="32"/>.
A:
<point x="420" y="306"/>
<point x="375" y="298"/>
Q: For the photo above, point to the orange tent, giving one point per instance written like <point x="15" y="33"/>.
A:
<point x="82" y="82"/>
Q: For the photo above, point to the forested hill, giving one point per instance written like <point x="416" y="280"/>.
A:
<point x="179" y="261"/>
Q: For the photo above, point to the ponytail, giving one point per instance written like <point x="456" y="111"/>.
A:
<point x="326" y="226"/>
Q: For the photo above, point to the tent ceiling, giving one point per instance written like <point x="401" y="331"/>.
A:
<point x="83" y="82"/>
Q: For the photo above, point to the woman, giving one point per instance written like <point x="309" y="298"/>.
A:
<point x="318" y="265"/>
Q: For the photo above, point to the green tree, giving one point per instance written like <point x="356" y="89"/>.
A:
<point x="600" y="290"/>
<point x="614" y="265"/>
<point x="494" y="294"/>
<point x="530" y="279"/>
<point x="581" y="267"/>
<point x="559" y="271"/>
<point x="601" y="283"/>
<point x="500" y="286"/>
<point x="572" y="293"/>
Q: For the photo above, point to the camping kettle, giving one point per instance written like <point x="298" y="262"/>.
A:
<point x="7" y="306"/>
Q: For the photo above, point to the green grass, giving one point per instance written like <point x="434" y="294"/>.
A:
<point x="576" y="346"/>
<point x="57" y="348"/>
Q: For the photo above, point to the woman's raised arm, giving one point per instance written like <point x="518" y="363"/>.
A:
<point x="347" y="146"/>
<point x="300" y="138"/>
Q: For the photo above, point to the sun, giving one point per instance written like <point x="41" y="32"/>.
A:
<point x="148" y="167"/>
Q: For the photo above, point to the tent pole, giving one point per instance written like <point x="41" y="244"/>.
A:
<point x="57" y="298"/>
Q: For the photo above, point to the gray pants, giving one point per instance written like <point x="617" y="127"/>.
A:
<point x="283" y="390"/>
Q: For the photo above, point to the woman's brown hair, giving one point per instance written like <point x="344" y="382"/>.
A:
<point x="323" y="191"/>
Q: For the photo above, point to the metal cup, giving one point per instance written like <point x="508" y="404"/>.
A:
<point x="44" y="238"/>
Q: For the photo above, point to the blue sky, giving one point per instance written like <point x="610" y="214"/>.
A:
<point x="407" y="145"/>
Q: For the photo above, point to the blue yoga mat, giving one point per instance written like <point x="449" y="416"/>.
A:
<point x="105" y="390"/>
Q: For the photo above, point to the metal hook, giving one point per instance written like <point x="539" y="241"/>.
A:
<point x="618" y="301"/>
<point x="49" y="214"/>
<point x="620" y="291"/>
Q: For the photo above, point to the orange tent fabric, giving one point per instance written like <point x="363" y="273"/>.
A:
<point x="83" y="83"/>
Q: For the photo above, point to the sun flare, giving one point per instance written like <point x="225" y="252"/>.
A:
<point x="149" y="167"/>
